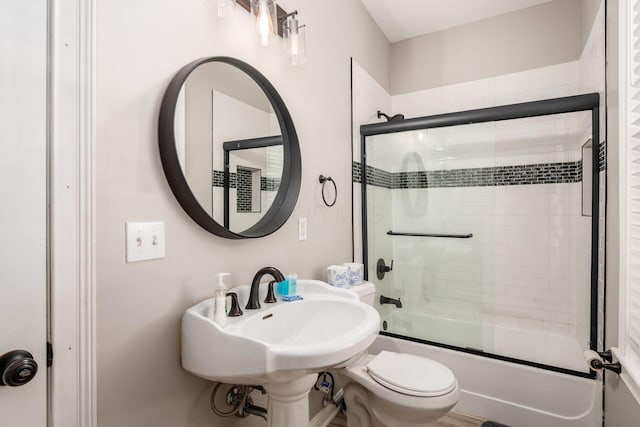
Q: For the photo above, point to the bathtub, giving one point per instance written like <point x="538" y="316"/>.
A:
<point x="473" y="330"/>
<point x="509" y="393"/>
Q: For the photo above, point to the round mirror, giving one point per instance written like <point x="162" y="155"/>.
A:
<point x="229" y="148"/>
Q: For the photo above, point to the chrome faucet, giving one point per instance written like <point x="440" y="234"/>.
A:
<point x="254" y="299"/>
<point x="387" y="300"/>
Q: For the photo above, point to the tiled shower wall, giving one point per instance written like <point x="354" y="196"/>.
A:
<point x="368" y="97"/>
<point x="593" y="78"/>
<point x="527" y="264"/>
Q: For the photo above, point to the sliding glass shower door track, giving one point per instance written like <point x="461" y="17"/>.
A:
<point x="479" y="352"/>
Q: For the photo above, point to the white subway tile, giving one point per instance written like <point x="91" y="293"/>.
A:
<point x="556" y="327"/>
<point x="530" y="324"/>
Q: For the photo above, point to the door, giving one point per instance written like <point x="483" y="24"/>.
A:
<point x="23" y="211"/>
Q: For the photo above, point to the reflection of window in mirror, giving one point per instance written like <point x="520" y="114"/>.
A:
<point x="248" y="182"/>
<point x="587" y="177"/>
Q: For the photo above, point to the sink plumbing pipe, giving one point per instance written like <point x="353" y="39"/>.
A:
<point x="332" y="401"/>
<point x="242" y="405"/>
<point x="239" y="400"/>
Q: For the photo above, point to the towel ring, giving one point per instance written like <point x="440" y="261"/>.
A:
<point x="323" y="180"/>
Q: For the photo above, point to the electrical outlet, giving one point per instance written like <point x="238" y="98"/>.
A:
<point x="144" y="241"/>
<point x="302" y="228"/>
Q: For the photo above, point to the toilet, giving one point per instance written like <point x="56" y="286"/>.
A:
<point x="395" y="389"/>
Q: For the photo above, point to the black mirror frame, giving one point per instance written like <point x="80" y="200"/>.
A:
<point x="287" y="195"/>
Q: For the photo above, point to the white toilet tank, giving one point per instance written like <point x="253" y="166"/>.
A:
<point x="366" y="291"/>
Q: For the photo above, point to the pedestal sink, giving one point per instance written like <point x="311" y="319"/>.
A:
<point x="281" y="346"/>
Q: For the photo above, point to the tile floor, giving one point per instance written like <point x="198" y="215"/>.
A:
<point x="452" y="419"/>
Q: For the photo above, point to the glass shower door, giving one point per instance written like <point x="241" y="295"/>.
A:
<point x="428" y="234"/>
<point x="488" y="227"/>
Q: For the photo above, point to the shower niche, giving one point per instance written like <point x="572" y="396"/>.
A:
<point x="482" y="213"/>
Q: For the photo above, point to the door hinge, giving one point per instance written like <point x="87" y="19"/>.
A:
<point x="49" y="354"/>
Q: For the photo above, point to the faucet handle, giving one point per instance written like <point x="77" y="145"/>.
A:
<point x="382" y="268"/>
<point x="271" y="296"/>
<point x="235" y="310"/>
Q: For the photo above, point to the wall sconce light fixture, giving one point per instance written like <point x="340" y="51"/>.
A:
<point x="264" y="18"/>
<point x="293" y="35"/>
<point x="226" y="8"/>
<point x="270" y="21"/>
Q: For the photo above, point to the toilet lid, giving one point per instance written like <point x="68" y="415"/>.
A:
<point x="412" y="375"/>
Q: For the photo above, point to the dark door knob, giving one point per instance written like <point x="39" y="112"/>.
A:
<point x="17" y="368"/>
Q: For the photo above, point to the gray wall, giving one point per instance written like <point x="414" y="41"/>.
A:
<point x="538" y="36"/>
<point x="140" y="46"/>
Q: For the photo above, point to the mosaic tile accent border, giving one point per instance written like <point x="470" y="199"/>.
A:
<point x="266" y="184"/>
<point x="602" y="155"/>
<point x="244" y="200"/>
<point x="356" y="172"/>
<point x="269" y="184"/>
<point x="218" y="179"/>
<point x="542" y="173"/>
<point x="379" y="177"/>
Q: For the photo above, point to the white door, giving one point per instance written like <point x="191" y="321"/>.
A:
<point x="23" y="211"/>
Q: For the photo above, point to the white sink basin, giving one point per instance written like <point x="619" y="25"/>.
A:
<point x="280" y="341"/>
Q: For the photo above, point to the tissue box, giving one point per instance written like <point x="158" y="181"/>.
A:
<point x="338" y="276"/>
<point x="355" y="272"/>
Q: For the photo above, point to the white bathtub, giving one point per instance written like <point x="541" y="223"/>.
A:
<point x="512" y="394"/>
<point x="480" y="332"/>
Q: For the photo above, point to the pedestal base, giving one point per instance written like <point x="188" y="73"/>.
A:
<point x="288" y="404"/>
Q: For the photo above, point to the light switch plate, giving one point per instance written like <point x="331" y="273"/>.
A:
<point x="302" y="228"/>
<point x="144" y="241"/>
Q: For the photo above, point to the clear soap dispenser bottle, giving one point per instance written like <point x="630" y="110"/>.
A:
<point x="220" y="314"/>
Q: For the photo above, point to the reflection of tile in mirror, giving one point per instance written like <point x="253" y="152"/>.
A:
<point x="248" y="189"/>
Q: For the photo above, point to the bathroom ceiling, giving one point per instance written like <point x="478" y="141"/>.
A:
<point x="403" y="19"/>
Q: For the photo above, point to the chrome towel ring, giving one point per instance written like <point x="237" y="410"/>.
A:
<point x="323" y="180"/>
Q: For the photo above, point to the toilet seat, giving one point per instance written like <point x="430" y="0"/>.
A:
<point x="411" y="375"/>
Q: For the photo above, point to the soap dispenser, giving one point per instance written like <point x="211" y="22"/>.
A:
<point x="220" y="314"/>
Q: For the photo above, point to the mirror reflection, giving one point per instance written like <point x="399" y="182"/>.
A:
<point x="229" y="144"/>
<point x="253" y="170"/>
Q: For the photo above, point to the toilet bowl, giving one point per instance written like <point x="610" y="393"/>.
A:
<point x="395" y="389"/>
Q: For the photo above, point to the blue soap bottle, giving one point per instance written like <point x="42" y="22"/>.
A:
<point x="283" y="287"/>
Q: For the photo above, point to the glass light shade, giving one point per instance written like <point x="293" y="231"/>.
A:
<point x="264" y="20"/>
<point x="226" y="8"/>
<point x="293" y="35"/>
